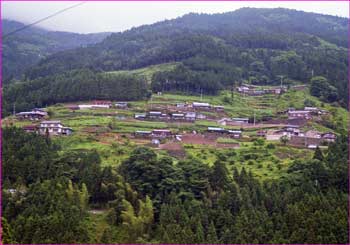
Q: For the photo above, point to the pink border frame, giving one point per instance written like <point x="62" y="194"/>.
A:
<point x="170" y="1"/>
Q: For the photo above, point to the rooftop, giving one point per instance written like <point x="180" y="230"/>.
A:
<point x="200" y="104"/>
<point x="49" y="122"/>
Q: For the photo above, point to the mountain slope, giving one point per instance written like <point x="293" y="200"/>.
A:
<point x="166" y="41"/>
<point x="25" y="48"/>
<point x="213" y="52"/>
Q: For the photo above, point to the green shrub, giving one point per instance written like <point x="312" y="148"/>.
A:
<point x="270" y="146"/>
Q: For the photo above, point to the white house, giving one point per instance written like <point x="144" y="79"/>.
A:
<point x="200" y="105"/>
<point x="190" y="116"/>
<point x="54" y="128"/>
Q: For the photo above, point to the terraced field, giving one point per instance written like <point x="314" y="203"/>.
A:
<point x="111" y="131"/>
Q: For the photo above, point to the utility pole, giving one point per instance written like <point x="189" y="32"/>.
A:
<point x="233" y="85"/>
<point x="14" y="109"/>
<point x="281" y="81"/>
<point x="254" y="117"/>
<point x="305" y="141"/>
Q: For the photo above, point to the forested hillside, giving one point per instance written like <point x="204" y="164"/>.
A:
<point x="152" y="199"/>
<point x="25" y="48"/>
<point x="251" y="45"/>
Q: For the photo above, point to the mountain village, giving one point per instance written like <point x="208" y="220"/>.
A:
<point x="286" y="127"/>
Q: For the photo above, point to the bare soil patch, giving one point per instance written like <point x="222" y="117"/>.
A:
<point x="174" y="149"/>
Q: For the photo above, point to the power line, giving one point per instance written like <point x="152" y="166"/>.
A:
<point x="41" y="20"/>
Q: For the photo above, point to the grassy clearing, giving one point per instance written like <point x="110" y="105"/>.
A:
<point x="227" y="141"/>
<point x="112" y="152"/>
<point x="148" y="71"/>
<point x="267" y="161"/>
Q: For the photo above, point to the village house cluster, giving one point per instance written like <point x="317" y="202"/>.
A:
<point x="178" y="116"/>
<point x="306" y="113"/>
<point x="157" y="135"/>
<point x="215" y="131"/>
<point x="252" y="90"/>
<point x="99" y="104"/>
<point x="45" y="127"/>
<point x="184" y="112"/>
<point x="297" y="137"/>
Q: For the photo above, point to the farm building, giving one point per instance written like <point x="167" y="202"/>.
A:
<point x="242" y="89"/>
<point x="219" y="107"/>
<point x="313" y="134"/>
<point x="102" y="102"/>
<point x="261" y="133"/>
<point x="93" y="106"/>
<point x="322" y="112"/>
<point x="180" y="105"/>
<point x="30" y="128"/>
<point x="233" y="121"/>
<point x="312" y="109"/>
<point x="329" y="137"/>
<point x="140" y="116"/>
<point x="54" y="128"/>
<point x="235" y="133"/>
<point x="273" y="91"/>
<point x="216" y="130"/>
<point x="200" y="105"/>
<point x="255" y="92"/>
<point x="143" y="134"/>
<point x="155" y="142"/>
<point x="31" y="115"/>
<point x="190" y="116"/>
<point x="293" y="129"/>
<point x="200" y="116"/>
<point x="177" y="116"/>
<point x="42" y="110"/>
<point x="121" y="105"/>
<point x="97" y="104"/>
<point x="240" y="120"/>
<point x="154" y="114"/>
<point x="224" y="121"/>
<point x="293" y="114"/>
<point x="161" y="133"/>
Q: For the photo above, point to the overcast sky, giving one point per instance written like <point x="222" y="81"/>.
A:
<point x="120" y="16"/>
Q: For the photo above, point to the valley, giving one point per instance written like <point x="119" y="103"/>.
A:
<point x="223" y="128"/>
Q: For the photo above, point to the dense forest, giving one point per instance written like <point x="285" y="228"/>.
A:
<point x="77" y="85"/>
<point x="152" y="199"/>
<point x="25" y="48"/>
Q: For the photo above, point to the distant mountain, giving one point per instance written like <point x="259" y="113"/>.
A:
<point x="25" y="48"/>
<point x="187" y="36"/>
